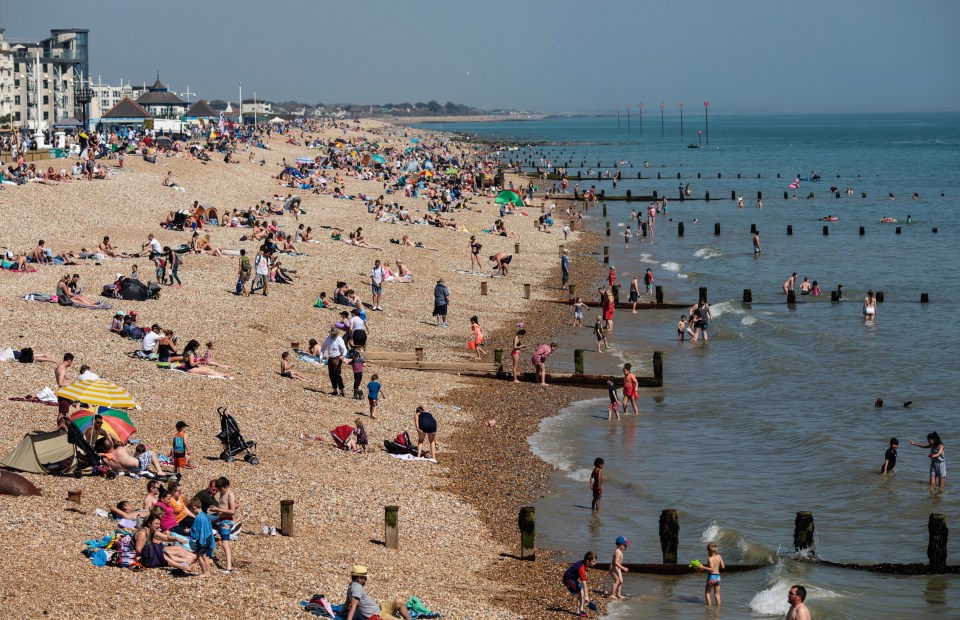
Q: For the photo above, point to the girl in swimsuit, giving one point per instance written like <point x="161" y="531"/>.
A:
<point x="515" y="353"/>
<point x="869" y="306"/>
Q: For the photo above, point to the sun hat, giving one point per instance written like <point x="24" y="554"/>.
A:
<point x="118" y="313"/>
<point x="622" y="540"/>
<point x="334" y="331"/>
<point x="358" y="570"/>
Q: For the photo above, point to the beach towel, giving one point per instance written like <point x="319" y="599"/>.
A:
<point x="412" y="457"/>
<point x="33" y="399"/>
<point x="310" y="359"/>
<point x="477" y="273"/>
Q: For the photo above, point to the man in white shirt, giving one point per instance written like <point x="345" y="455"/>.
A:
<point x="376" y="283"/>
<point x="333" y="349"/>
<point x="261" y="278"/>
<point x="152" y="248"/>
<point x="150" y="340"/>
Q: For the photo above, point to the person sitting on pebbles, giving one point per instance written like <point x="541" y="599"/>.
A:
<point x="360" y="606"/>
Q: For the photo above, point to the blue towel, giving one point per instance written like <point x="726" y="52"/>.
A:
<point x="201" y="533"/>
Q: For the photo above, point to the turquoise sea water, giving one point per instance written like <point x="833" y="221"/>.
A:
<point x="775" y="414"/>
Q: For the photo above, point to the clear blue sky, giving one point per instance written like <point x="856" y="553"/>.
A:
<point x="742" y="55"/>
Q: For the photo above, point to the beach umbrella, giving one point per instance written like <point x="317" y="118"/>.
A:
<point x="380" y="159"/>
<point x="365" y="160"/>
<point x="451" y="171"/>
<point x="415" y="141"/>
<point x="113" y="419"/>
<point x="509" y="197"/>
<point x="428" y="165"/>
<point x="98" y="392"/>
<point x="426" y="173"/>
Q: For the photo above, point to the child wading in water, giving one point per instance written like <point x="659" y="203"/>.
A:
<point x="614" y="406"/>
<point x="601" y="334"/>
<point x="938" y="465"/>
<point x="617" y="569"/>
<point x="682" y="328"/>
<point x="596" y="484"/>
<point x="477" y="336"/>
<point x="578" y="306"/>
<point x="712" y="566"/>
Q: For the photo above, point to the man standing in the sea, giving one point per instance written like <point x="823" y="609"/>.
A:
<point x="798" y="610"/>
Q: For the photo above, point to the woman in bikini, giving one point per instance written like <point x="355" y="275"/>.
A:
<point x="869" y="307"/>
<point x="515" y="353"/>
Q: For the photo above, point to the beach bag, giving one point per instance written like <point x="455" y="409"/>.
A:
<point x="239" y="286"/>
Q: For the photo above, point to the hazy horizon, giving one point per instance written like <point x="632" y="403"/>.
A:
<point x="744" y="56"/>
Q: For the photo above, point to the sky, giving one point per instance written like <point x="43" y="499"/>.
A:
<point x="743" y="56"/>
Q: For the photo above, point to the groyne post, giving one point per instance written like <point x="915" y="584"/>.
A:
<point x="826" y="231"/>
<point x="937" y="547"/>
<point x="753" y="229"/>
<point x="604" y="209"/>
<point x="791" y="297"/>
<point x="516" y="248"/>
<point x="571" y="292"/>
<point x="747" y="296"/>
<point x="526" y="291"/>
<point x="803" y="531"/>
<point x="680" y="229"/>
<point x="879" y="297"/>
<point x="286" y="517"/>
<point x="924" y="298"/>
<point x="659" y="294"/>
<point x="606" y="255"/>
<point x="863" y="231"/>
<point x="899" y="230"/>
<point x="561" y="250"/>
<point x="391" y="530"/>
<point x="74" y="496"/>
<point x="527" y="521"/>
<point x="419" y="352"/>
<point x="578" y="361"/>
<point x="658" y="367"/>
<point x="716" y="229"/>
<point x="669" y="535"/>
<point x="608" y="229"/>
<point x="789" y="229"/>
<point x="498" y="360"/>
<point x="483" y="288"/>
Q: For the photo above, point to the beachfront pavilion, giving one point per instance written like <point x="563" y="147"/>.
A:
<point x="125" y="114"/>
<point x="201" y="111"/>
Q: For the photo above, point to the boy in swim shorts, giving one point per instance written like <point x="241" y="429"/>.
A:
<point x="575" y="581"/>
<point x="596" y="484"/>
<point x="617" y="569"/>
<point x="681" y="328"/>
<point x="712" y="567"/>
<point x="374" y="393"/>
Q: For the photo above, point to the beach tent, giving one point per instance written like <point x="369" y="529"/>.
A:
<point x="277" y="119"/>
<point x="42" y="453"/>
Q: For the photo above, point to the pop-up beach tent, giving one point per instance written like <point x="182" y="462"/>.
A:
<point x="42" y="453"/>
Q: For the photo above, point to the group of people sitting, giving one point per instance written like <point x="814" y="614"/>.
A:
<point x="161" y="345"/>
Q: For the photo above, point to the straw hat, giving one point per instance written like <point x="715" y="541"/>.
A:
<point x="358" y="571"/>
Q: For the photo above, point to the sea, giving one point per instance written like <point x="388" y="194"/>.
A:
<point x="776" y="413"/>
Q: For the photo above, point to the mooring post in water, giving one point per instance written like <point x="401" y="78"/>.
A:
<point x="391" y="531"/>
<point x="527" y="521"/>
<point x="286" y="517"/>
<point x="863" y="231"/>
<point x="924" y="298"/>
<point x="753" y="229"/>
<point x="789" y="229"/>
<point x="526" y="291"/>
<point x="803" y="531"/>
<point x="658" y="367"/>
<point x="716" y="229"/>
<point x="578" y="361"/>
<point x="747" y="296"/>
<point x="604" y="209"/>
<point x="680" y="229"/>
<point x="498" y="360"/>
<point x="669" y="535"/>
<point x="571" y="292"/>
<point x="659" y="294"/>
<point x="826" y="231"/>
<point x="879" y="297"/>
<point x="899" y="230"/>
<point x="937" y="547"/>
<point x="606" y="254"/>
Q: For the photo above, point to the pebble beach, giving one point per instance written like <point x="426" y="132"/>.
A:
<point x="457" y="518"/>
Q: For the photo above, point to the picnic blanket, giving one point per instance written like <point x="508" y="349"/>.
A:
<point x="411" y="457"/>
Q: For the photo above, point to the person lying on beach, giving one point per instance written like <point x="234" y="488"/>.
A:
<point x="19" y="261"/>
<point x="123" y="510"/>
<point x="361" y="243"/>
<point x="169" y="182"/>
<point x="405" y="241"/>
<point x="286" y="368"/>
<point x="193" y="365"/>
<point x="66" y="297"/>
<point x="204" y="246"/>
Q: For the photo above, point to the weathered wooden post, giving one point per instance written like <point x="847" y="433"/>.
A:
<point x="286" y="517"/>
<point x="937" y="547"/>
<point x="527" y="521"/>
<point x="391" y="532"/>
<point x="658" y="367"/>
<point x="747" y="296"/>
<point x="791" y="297"/>
<point x="753" y="229"/>
<point x="659" y="293"/>
<point x="669" y="535"/>
<point x="716" y="229"/>
<point x="571" y="292"/>
<point x="578" y="361"/>
<point x="615" y="290"/>
<point x="608" y="228"/>
<point x="707" y="196"/>
<point x="680" y="229"/>
<point x="879" y="297"/>
<point x="526" y="291"/>
<point x="863" y="231"/>
<point x="803" y="531"/>
<point x="483" y="288"/>
<point x="74" y="496"/>
<point x="419" y="352"/>
<point x="516" y="248"/>
<point x="606" y="254"/>
<point x="826" y="231"/>
<point x="604" y="209"/>
<point x="498" y="360"/>
<point x="899" y="230"/>
<point x="935" y="231"/>
<point x="924" y="298"/>
<point x="703" y="295"/>
<point x="561" y="249"/>
<point x="789" y="229"/>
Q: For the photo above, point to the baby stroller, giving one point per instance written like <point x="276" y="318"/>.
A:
<point x="341" y="437"/>
<point x="86" y="456"/>
<point x="232" y="440"/>
<point x="400" y="445"/>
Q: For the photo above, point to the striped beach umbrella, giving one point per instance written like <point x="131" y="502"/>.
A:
<point x="98" y="392"/>
<point x="113" y="419"/>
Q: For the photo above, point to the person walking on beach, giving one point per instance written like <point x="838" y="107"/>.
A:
<point x="617" y="569"/>
<point x="648" y="281"/>
<point x="798" y="610"/>
<point x="441" y="299"/>
<point x="601" y="335"/>
<point x="333" y="350"/>
<point x="475" y="248"/>
<point x="869" y="306"/>
<point x="477" y="332"/>
<point x="890" y="456"/>
<point x="376" y="283"/>
<point x="938" y="465"/>
<point x="243" y="274"/>
<point x="630" y="385"/>
<point x="756" y="243"/>
<point x="262" y="266"/>
<point x="596" y="484"/>
<point x="564" y="270"/>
